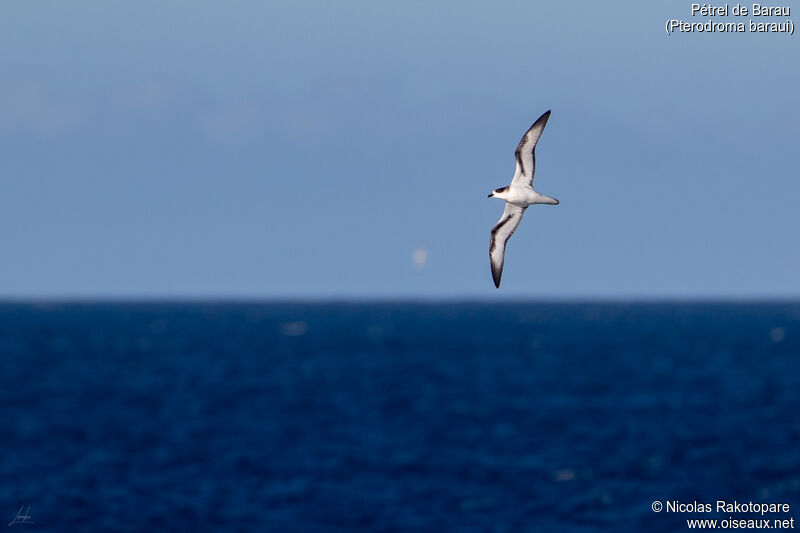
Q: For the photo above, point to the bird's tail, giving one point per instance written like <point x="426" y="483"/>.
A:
<point x="542" y="199"/>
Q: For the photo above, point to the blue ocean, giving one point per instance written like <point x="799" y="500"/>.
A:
<point x="395" y="416"/>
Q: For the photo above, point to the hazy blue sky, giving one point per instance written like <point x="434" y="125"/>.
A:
<point x="273" y="149"/>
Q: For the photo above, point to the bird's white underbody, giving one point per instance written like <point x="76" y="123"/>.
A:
<point x="523" y="196"/>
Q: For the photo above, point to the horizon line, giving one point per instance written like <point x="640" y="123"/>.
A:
<point x="410" y="299"/>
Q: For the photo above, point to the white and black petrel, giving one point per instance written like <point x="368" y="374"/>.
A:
<point x="518" y="196"/>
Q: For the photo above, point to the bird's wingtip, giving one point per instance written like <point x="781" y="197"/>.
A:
<point x="544" y="118"/>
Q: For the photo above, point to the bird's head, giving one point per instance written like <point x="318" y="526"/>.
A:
<point x="498" y="193"/>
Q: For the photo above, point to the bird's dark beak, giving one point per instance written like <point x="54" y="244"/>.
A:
<point x="491" y="195"/>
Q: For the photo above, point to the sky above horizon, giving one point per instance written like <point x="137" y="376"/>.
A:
<point x="273" y="150"/>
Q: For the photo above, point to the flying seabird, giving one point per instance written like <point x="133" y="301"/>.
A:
<point x="518" y="196"/>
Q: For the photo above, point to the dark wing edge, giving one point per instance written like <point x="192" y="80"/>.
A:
<point x="501" y="232"/>
<point x="524" y="155"/>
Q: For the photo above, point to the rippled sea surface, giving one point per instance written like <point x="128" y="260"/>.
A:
<point x="394" y="416"/>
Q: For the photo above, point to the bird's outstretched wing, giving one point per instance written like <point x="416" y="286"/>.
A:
<point x="526" y="159"/>
<point x="501" y="232"/>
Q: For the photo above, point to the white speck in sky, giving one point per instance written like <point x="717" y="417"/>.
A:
<point x="420" y="258"/>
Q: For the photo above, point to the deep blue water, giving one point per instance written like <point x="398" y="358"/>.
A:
<point x="394" y="417"/>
